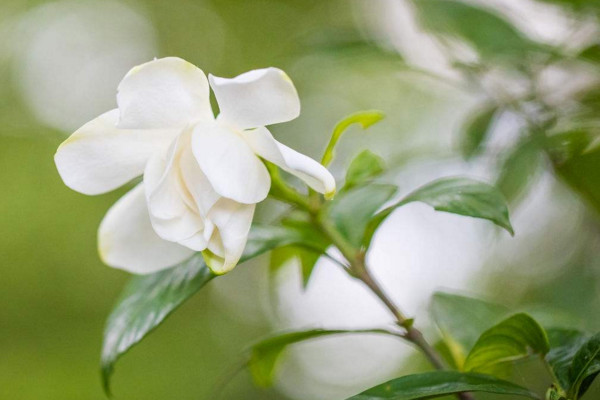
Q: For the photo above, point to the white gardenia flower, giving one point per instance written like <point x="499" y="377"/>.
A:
<point x="202" y="176"/>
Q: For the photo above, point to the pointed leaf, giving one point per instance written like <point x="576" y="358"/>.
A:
<point x="307" y="259"/>
<point x="146" y="301"/>
<point x="455" y="195"/>
<point x="430" y="385"/>
<point x="464" y="196"/>
<point x="512" y="339"/>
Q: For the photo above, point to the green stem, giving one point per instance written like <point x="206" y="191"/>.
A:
<point x="412" y="334"/>
<point x="281" y="191"/>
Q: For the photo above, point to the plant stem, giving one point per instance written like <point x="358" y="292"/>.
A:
<point x="412" y="334"/>
<point x="359" y="269"/>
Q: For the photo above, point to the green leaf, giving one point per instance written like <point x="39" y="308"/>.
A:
<point x="518" y="169"/>
<point x="464" y="197"/>
<point x="430" y="385"/>
<point x="352" y="211"/>
<point x="486" y="31"/>
<point x="564" y="344"/>
<point x="476" y="130"/>
<point x="364" y="118"/>
<point x="585" y="367"/>
<point x="461" y="196"/>
<point x="512" y="339"/>
<point x="363" y="168"/>
<point x="265" y="354"/>
<point x="575" y="360"/>
<point x="309" y="244"/>
<point x="461" y="320"/>
<point x="307" y="259"/>
<point x="148" y="299"/>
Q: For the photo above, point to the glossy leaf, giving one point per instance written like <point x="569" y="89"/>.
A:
<point x="564" y="344"/>
<point x="148" y="299"/>
<point x="512" y="339"/>
<point x="363" y="118"/>
<point x="352" y="211"/>
<point x="461" y="320"/>
<point x="464" y="196"/>
<point x="265" y="354"/>
<point x="476" y="130"/>
<point x="461" y="196"/>
<point x="363" y="168"/>
<point x="585" y="366"/>
<point x="430" y="385"/>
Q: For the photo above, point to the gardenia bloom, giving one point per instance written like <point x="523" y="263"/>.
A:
<point x="202" y="176"/>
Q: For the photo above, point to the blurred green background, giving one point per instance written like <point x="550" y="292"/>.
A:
<point x="60" y="63"/>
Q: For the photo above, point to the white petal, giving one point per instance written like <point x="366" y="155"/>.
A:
<point x="98" y="157"/>
<point x="230" y="165"/>
<point x="233" y="222"/>
<point x="164" y="93"/>
<point x="196" y="242"/>
<point x="127" y="241"/>
<point x="173" y="213"/>
<point x="310" y="171"/>
<point x="256" y="98"/>
<point x="197" y="183"/>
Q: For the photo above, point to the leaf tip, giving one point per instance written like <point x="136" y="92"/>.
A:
<point x="105" y="373"/>
<point x="371" y="118"/>
<point x="510" y="229"/>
